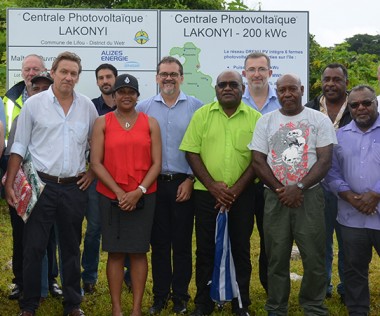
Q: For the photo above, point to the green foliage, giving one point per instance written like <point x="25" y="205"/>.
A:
<point x="236" y="5"/>
<point x="2" y="79"/>
<point x="126" y="4"/>
<point x="171" y="4"/>
<point x="99" y="303"/>
<point x="102" y="4"/>
<point x="364" y="43"/>
<point x="361" y="67"/>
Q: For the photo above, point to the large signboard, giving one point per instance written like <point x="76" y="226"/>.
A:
<point x="210" y="42"/>
<point x="126" y="39"/>
<point x="206" y="42"/>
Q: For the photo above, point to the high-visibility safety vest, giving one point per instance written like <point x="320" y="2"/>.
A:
<point x="13" y="104"/>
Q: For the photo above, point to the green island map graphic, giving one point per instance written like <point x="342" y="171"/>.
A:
<point x="195" y="82"/>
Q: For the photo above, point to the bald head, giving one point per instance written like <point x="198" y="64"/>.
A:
<point x="32" y="65"/>
<point x="287" y="77"/>
<point x="289" y="93"/>
<point x="231" y="72"/>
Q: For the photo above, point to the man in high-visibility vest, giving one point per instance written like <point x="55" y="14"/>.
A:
<point x="14" y="99"/>
<point x="16" y="96"/>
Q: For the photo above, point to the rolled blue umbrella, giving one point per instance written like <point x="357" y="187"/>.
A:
<point x="223" y="284"/>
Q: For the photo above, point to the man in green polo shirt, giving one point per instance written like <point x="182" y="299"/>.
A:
<point x="216" y="148"/>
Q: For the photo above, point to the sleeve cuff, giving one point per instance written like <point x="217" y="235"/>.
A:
<point x="376" y="188"/>
<point x="338" y="186"/>
<point x="19" y="149"/>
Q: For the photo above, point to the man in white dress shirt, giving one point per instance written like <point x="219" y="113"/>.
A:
<point x="54" y="126"/>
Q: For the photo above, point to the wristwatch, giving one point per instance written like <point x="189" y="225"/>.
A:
<point x="191" y="177"/>
<point x="300" y="186"/>
<point x="143" y="189"/>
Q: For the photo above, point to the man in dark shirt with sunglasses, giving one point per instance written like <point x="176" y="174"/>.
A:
<point x="216" y="149"/>
<point x="333" y="103"/>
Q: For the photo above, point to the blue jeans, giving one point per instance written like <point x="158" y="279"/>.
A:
<point x="90" y="256"/>
<point x="331" y="210"/>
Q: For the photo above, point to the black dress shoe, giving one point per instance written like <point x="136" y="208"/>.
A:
<point x="89" y="288"/>
<point x="157" y="307"/>
<point x="241" y="312"/>
<point x="26" y="313"/>
<point x="179" y="306"/>
<point x="15" y="293"/>
<point x="199" y="312"/>
<point x="55" y="290"/>
<point x="76" y="312"/>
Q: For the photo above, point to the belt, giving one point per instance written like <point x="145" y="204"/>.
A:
<point x="171" y="176"/>
<point x="60" y="180"/>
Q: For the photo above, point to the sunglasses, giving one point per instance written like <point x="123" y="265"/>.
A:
<point x="366" y="103"/>
<point x="231" y="84"/>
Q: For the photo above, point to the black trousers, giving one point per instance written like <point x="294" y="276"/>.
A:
<point x="52" y="258"/>
<point x="358" y="243"/>
<point x="171" y="242"/>
<point x="17" y="258"/>
<point x="63" y="204"/>
<point x="240" y="225"/>
<point x="259" y="214"/>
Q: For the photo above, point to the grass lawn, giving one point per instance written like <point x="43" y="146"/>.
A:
<point x="98" y="304"/>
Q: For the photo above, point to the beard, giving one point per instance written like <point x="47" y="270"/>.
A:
<point x="107" y="91"/>
<point x="169" y="88"/>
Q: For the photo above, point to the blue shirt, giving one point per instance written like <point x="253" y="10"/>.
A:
<point x="173" y="123"/>
<point x="270" y="105"/>
<point x="56" y="142"/>
<point x="356" y="167"/>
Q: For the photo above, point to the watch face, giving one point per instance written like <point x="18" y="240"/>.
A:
<point x="300" y="185"/>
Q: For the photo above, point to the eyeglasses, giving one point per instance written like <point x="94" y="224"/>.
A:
<point x="366" y="103"/>
<point x="167" y="74"/>
<point x="231" y="84"/>
<point x="260" y="70"/>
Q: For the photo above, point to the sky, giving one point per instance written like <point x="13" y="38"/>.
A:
<point x="331" y="21"/>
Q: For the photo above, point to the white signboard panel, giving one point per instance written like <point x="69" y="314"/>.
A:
<point x="208" y="42"/>
<point x="125" y="39"/>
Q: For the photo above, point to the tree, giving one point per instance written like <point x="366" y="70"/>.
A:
<point x="361" y="67"/>
<point x="236" y="5"/>
<point x="125" y="4"/>
<point x="364" y="43"/>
